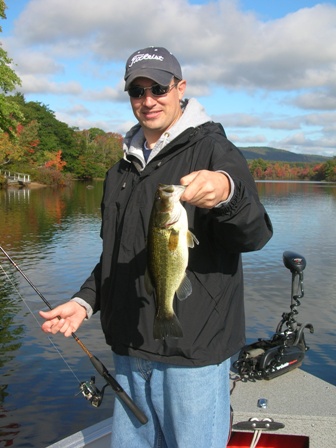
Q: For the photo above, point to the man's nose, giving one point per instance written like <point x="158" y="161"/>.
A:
<point x="148" y="98"/>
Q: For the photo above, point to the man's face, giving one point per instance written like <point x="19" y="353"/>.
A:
<point x="156" y="114"/>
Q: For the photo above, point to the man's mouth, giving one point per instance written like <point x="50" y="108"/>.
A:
<point x="151" y="114"/>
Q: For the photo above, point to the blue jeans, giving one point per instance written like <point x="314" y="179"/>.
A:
<point x="186" y="407"/>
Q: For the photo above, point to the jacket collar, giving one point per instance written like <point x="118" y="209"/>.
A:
<point x="193" y="116"/>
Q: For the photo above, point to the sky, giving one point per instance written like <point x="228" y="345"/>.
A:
<point x="265" y="69"/>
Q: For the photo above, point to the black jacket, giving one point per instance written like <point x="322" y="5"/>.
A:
<point x="212" y="318"/>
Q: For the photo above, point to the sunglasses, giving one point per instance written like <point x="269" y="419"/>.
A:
<point x="156" y="90"/>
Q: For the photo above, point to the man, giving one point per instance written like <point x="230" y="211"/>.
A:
<point x="182" y="384"/>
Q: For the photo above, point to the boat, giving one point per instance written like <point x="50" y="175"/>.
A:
<point x="274" y="402"/>
<point x="295" y="410"/>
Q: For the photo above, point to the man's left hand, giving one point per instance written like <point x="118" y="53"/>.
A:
<point x="205" y="189"/>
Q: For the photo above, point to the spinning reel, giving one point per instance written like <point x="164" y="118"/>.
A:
<point x="267" y="359"/>
<point x="91" y="392"/>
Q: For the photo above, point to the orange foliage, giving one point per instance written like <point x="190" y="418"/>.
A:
<point x="56" y="162"/>
<point x="268" y="170"/>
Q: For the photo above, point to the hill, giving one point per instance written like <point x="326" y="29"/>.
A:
<point x="280" y="155"/>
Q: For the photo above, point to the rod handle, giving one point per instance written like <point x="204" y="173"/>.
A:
<point x="101" y="369"/>
<point x="132" y="407"/>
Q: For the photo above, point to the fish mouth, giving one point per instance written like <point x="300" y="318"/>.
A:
<point x="167" y="197"/>
<point x="175" y="190"/>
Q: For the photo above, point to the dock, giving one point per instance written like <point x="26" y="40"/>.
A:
<point x="16" y="178"/>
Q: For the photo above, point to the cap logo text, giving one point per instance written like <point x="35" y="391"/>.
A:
<point x="141" y="57"/>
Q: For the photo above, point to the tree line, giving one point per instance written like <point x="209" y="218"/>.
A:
<point x="51" y="151"/>
<point x="54" y="153"/>
<point x="268" y="170"/>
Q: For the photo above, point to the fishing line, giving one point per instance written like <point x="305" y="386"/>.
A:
<point x="38" y="323"/>
<point x="88" y="388"/>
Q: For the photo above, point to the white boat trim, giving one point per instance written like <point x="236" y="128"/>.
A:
<point x="96" y="436"/>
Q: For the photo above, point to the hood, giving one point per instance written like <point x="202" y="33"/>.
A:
<point x="193" y="115"/>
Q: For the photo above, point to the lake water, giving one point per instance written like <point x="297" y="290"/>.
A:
<point x="53" y="236"/>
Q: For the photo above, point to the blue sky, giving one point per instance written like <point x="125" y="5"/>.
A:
<point x="265" y="69"/>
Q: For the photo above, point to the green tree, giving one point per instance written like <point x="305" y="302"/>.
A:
<point x="97" y="152"/>
<point x="258" y="168"/>
<point x="53" y="135"/>
<point x="94" y="132"/>
<point x="330" y="170"/>
<point x="10" y="113"/>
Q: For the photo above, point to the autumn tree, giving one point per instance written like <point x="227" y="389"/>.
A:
<point x="8" y="150"/>
<point x="10" y="113"/>
<point x="269" y="170"/>
<point x="258" y="168"/>
<point x="55" y="161"/>
<point x="28" y="140"/>
<point x="21" y="149"/>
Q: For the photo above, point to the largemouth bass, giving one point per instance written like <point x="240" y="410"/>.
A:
<point x="167" y="258"/>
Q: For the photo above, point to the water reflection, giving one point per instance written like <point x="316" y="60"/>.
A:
<point x="287" y="189"/>
<point x="10" y="334"/>
<point x="11" y="339"/>
<point x="54" y="237"/>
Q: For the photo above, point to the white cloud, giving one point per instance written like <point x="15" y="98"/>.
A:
<point x="77" y="110"/>
<point x="78" y="48"/>
<point x="246" y="141"/>
<point x="216" y="41"/>
<point x="238" y="120"/>
<point x="40" y="84"/>
<point x="258" y="121"/>
<point x="107" y="94"/>
<point x="299" y="142"/>
<point x="84" y="120"/>
<point x="317" y="100"/>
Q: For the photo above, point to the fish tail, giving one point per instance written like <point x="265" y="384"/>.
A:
<point x="167" y="326"/>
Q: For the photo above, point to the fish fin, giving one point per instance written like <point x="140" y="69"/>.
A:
<point x="167" y="327"/>
<point x="173" y="240"/>
<point x="185" y="289"/>
<point x="148" y="283"/>
<point x="191" y="239"/>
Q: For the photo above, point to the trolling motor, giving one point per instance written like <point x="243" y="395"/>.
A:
<point x="267" y="359"/>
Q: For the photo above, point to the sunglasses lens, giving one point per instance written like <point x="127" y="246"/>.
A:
<point x="136" y="92"/>
<point x="156" y="89"/>
<point x="159" y="90"/>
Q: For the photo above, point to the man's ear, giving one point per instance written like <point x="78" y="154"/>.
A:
<point x="181" y="86"/>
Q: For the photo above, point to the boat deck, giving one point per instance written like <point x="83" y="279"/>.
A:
<point x="305" y="405"/>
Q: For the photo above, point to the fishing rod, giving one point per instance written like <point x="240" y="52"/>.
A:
<point x="88" y="389"/>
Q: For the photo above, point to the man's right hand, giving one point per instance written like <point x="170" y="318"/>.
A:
<point x="65" y="318"/>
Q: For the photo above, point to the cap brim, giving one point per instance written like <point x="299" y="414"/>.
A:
<point x="159" y="76"/>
